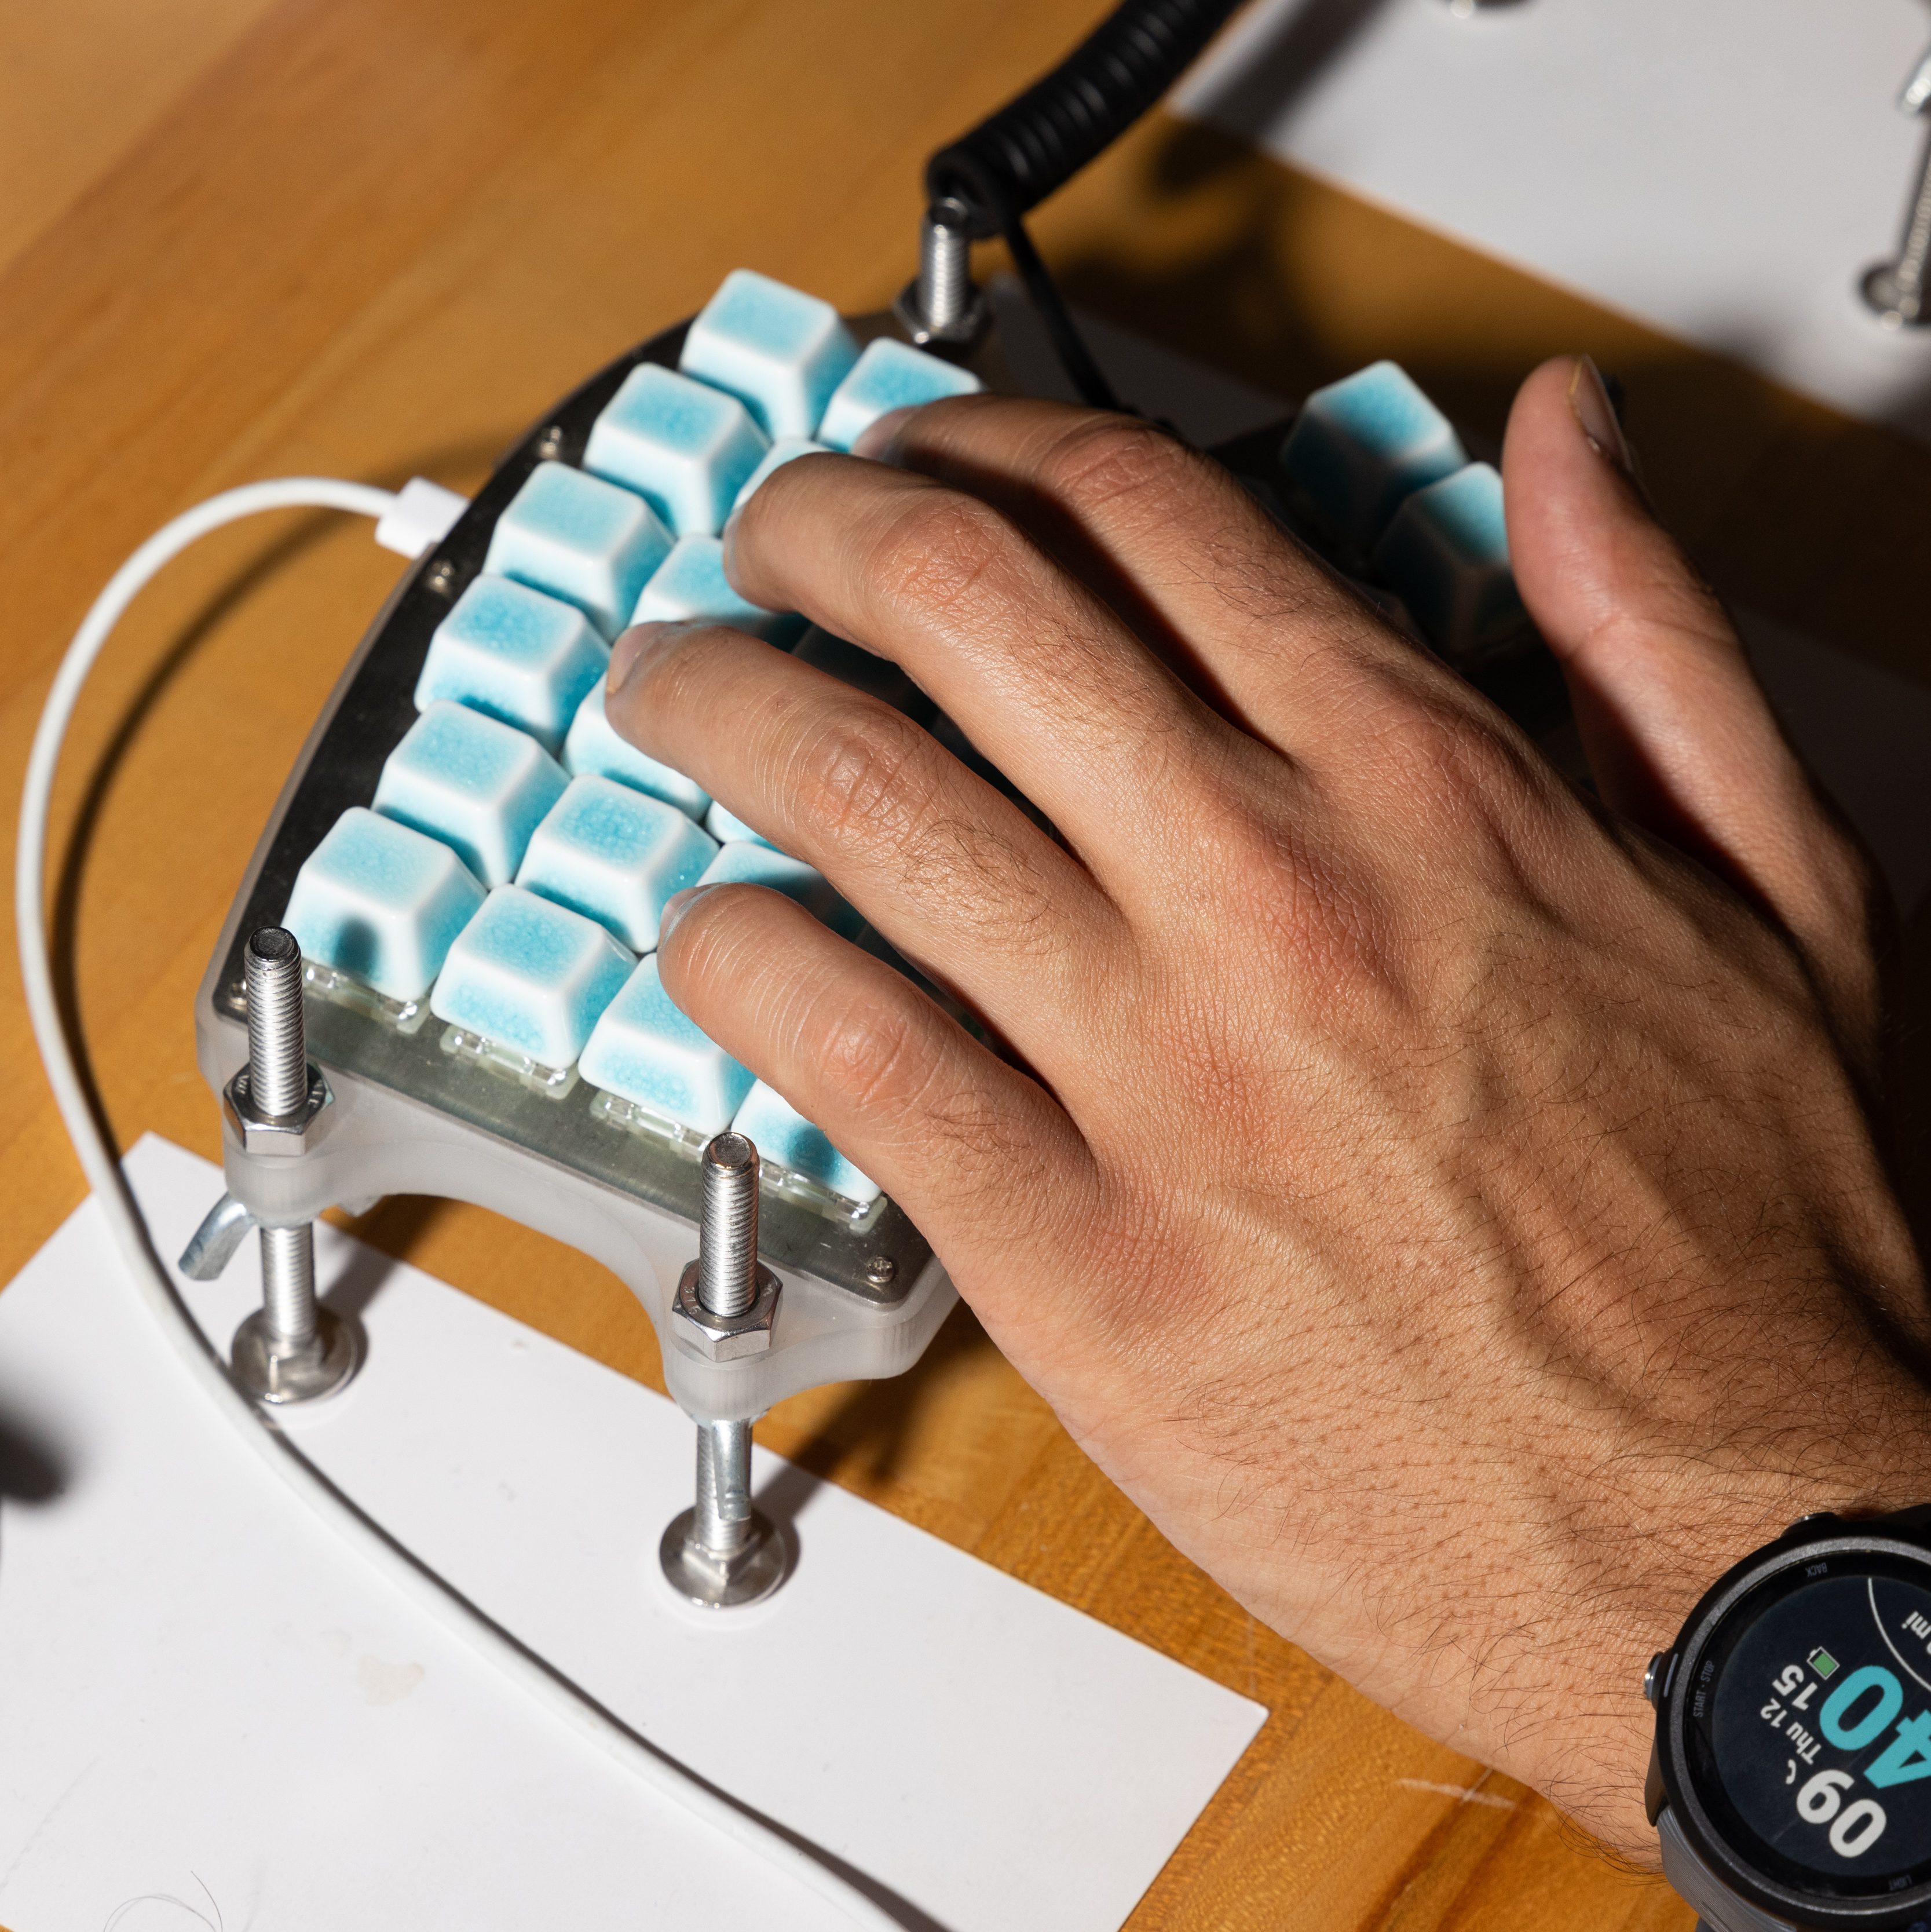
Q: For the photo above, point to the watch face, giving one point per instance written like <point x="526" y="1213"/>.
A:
<point x="1808" y="1727"/>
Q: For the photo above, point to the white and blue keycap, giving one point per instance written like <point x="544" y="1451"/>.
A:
<point x="786" y="449"/>
<point x="746" y="863"/>
<point x="726" y="827"/>
<point x="690" y="586"/>
<point x="594" y="750"/>
<point x="580" y="539"/>
<point x="683" y="446"/>
<point x="381" y="903"/>
<point x="530" y="976"/>
<point x="516" y="655"/>
<point x="889" y="376"/>
<point x="781" y="351"/>
<point x="616" y="856"/>
<point x="646" y="1051"/>
<point x="479" y="785"/>
<point x="1362" y="445"/>
<point x="1446" y="556"/>
<point x="783" y="1135"/>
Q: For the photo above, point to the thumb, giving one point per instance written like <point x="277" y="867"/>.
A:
<point x="1678" y="732"/>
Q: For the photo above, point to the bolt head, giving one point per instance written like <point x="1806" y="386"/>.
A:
<point x="881" y="1271"/>
<point x="278" y="1137"/>
<point x="725" y="1338"/>
<point x="284" y="1377"/>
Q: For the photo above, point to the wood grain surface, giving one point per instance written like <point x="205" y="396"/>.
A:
<point x="374" y="238"/>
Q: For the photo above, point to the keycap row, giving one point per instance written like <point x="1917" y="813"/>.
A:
<point x="1383" y="470"/>
<point x="516" y="891"/>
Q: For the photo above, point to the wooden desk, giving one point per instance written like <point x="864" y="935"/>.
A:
<point x="373" y="238"/>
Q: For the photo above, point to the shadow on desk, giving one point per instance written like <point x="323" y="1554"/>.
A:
<point x="1193" y="238"/>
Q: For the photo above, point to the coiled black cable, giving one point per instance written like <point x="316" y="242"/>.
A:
<point x="1012" y="160"/>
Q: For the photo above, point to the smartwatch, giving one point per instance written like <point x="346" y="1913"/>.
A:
<point x="1790" y="1783"/>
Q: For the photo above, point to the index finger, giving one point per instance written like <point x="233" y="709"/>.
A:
<point x="1175" y="543"/>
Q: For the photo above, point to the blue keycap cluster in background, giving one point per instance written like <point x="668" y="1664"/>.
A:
<point x="516" y="893"/>
<point x="1383" y="469"/>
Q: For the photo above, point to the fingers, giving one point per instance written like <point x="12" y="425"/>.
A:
<point x="954" y="874"/>
<point x="1170" y="540"/>
<point x="1677" y="731"/>
<point x="1043" y="677"/>
<point x="980" y="1155"/>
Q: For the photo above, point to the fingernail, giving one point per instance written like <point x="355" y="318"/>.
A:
<point x="629" y="650"/>
<point x="876" y="440"/>
<point x="676" y="907"/>
<point x="1595" y="417"/>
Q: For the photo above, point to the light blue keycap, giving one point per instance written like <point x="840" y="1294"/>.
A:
<point x="781" y="351"/>
<point x="726" y="827"/>
<point x="783" y="1135"/>
<point x="616" y="856"/>
<point x="786" y="449"/>
<point x="581" y="539"/>
<point x="381" y="903"/>
<point x="516" y="654"/>
<point x="530" y="976"/>
<point x="478" y="785"/>
<point x="683" y="446"/>
<point x="1446" y="556"/>
<point x="1363" y="444"/>
<point x="889" y="376"/>
<point x="646" y="1051"/>
<point x="744" y="862"/>
<point x="594" y="750"/>
<point x="690" y="584"/>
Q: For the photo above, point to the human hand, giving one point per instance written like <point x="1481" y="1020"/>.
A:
<point x="1445" y="1204"/>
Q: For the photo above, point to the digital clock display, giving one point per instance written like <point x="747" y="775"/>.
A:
<point x="1811" y="1728"/>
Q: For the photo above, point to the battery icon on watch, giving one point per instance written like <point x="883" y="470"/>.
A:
<point x="1821" y="1660"/>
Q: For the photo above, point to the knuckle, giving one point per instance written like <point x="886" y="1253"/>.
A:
<point x="1106" y="458"/>
<point x="935" y="546"/>
<point x="861" y="769"/>
<point x="879" y="1058"/>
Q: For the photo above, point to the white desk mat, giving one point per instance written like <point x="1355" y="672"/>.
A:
<point x="207" y="1703"/>
<point x="1726" y="169"/>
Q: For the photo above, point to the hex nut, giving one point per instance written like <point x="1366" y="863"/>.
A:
<point x="264" y="1133"/>
<point x="726" y="1338"/>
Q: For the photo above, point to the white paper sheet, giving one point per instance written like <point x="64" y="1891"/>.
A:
<point x="199" y="1687"/>
<point x="1725" y="169"/>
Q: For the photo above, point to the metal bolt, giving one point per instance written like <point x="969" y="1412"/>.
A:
<point x="289" y="1350"/>
<point x="727" y="1235"/>
<point x="722" y="1552"/>
<point x="943" y="304"/>
<point x="881" y="1271"/>
<point x="1895" y="290"/>
<point x="550" y="444"/>
<point x="723" y="1516"/>
<point x="277" y="1025"/>
<point x="441" y="579"/>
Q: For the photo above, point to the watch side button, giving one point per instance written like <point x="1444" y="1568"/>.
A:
<point x="1652" y="1675"/>
<point x="1812" y="1517"/>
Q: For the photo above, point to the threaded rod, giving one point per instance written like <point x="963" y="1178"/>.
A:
<point x="277" y="1030"/>
<point x="945" y="266"/>
<point x="288" y="1284"/>
<point x="727" y="1234"/>
<point x="722" y="1525"/>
